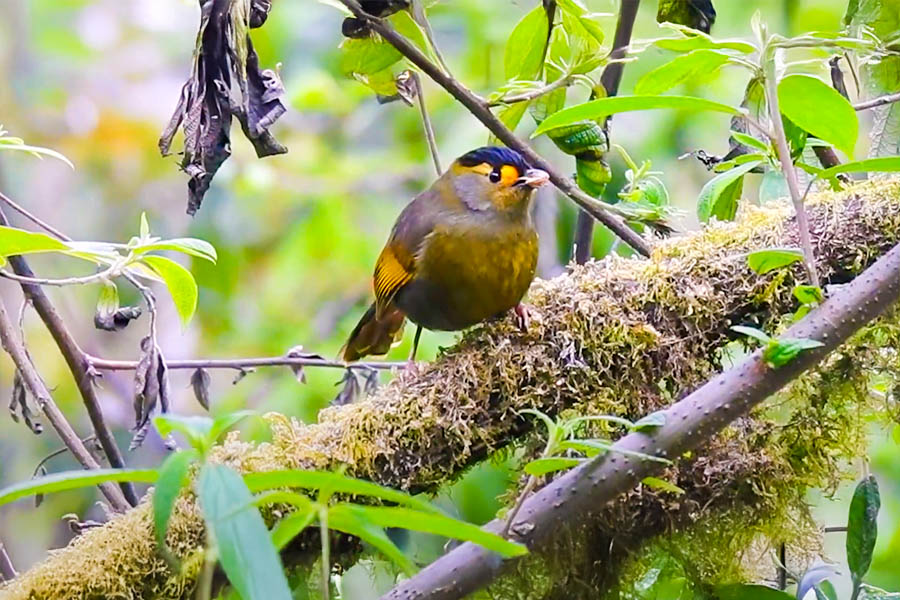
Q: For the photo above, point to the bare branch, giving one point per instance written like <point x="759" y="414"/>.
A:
<point x="7" y="570"/>
<point x="690" y="422"/>
<point x="35" y="385"/>
<point x="479" y="109"/>
<point x="426" y="124"/>
<point x="876" y="102"/>
<point x="241" y="364"/>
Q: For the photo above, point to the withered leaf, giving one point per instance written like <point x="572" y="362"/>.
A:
<point x="39" y="498"/>
<point x="297" y="352"/>
<point x="200" y="384"/>
<point x="357" y="383"/>
<point x="146" y="383"/>
<point x="162" y="376"/>
<point x="226" y="81"/>
<point x="18" y="405"/>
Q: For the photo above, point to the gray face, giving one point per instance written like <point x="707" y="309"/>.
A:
<point x="475" y="190"/>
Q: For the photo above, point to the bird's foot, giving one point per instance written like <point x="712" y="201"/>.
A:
<point x="522" y="316"/>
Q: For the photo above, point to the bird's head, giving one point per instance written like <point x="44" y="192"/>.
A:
<point x="495" y="178"/>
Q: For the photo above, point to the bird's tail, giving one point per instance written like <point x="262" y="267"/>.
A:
<point x="373" y="335"/>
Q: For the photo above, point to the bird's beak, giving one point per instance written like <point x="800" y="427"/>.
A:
<point x="534" y="178"/>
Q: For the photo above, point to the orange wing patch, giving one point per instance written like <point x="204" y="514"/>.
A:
<point x="390" y="275"/>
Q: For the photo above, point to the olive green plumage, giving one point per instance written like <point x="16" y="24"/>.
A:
<point x="463" y="251"/>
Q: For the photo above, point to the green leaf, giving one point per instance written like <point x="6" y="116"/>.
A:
<point x="71" y="480"/>
<point x="195" y="428"/>
<point x="145" y="226"/>
<point x="15" y="241"/>
<point x="692" y="39"/>
<point x="662" y="484"/>
<point x="809" y="294"/>
<point x="367" y="56"/>
<point x="747" y="591"/>
<point x="108" y="302"/>
<point x="336" y="483"/>
<point x="782" y="351"/>
<point x="511" y="115"/>
<point x="351" y="519"/>
<point x="862" y="527"/>
<point x="597" y="109"/>
<point x="290" y="527"/>
<point x="753" y="332"/>
<point x="542" y="466"/>
<point x="172" y="478"/>
<point x="437" y="524"/>
<point x="686" y="67"/>
<point x="651" y="422"/>
<point x="820" y="110"/>
<point x="763" y="261"/>
<point x="19" y="145"/>
<point x="750" y="141"/>
<point x="696" y="15"/>
<point x="525" y="46"/>
<point x="882" y="164"/>
<point x="192" y="246"/>
<point x="773" y="187"/>
<point x="245" y="547"/>
<point x="719" y="197"/>
<point x="223" y="423"/>
<point x="594" y="447"/>
<point x="180" y="283"/>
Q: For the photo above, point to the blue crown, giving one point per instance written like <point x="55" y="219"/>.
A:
<point x="496" y="156"/>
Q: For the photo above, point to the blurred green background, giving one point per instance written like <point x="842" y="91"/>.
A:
<point x="296" y="234"/>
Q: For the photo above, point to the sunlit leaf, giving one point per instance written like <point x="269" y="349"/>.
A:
<point x="692" y="39"/>
<point x="782" y="351"/>
<point x="808" y="294"/>
<point x="336" y="482"/>
<point x="244" y="545"/>
<point x="525" y="45"/>
<point x="352" y="519"/>
<point x="192" y="246"/>
<point x="542" y="466"/>
<point x="764" y="261"/>
<point x="748" y="591"/>
<point x="687" y="67"/>
<point x="172" y="478"/>
<point x="818" y="108"/>
<point x="753" y="333"/>
<point x="438" y="524"/>
<point x="71" y="480"/>
<point x="720" y="195"/>
<point x="596" y="109"/>
<point x="18" y="241"/>
<point x="883" y="164"/>
<point x="290" y="527"/>
<point x="195" y="428"/>
<point x="180" y="283"/>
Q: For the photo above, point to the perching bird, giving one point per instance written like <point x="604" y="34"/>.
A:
<point x="462" y="251"/>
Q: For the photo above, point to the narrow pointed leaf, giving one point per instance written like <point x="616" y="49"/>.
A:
<point x="180" y="283"/>
<point x="71" y="480"/>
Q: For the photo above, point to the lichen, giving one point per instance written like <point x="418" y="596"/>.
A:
<point x="618" y="336"/>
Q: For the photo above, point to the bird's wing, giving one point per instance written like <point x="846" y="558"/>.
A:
<point x="396" y="265"/>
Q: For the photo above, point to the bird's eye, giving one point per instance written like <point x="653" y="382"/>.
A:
<point x="494" y="176"/>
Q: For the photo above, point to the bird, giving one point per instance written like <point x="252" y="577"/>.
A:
<point x="461" y="252"/>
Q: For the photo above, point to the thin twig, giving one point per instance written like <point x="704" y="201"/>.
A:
<point x="96" y="277"/>
<point x="418" y="14"/>
<point x="78" y="365"/>
<point x="7" y="570"/>
<point x="875" y="102"/>
<point x="56" y="453"/>
<point x="479" y="109"/>
<point x="426" y="124"/>
<point x="241" y="364"/>
<point x="35" y="385"/>
<point x="610" y="80"/>
<point x="787" y="167"/>
<point x="838" y="529"/>
<point x="529" y="95"/>
<point x="526" y="491"/>
<point x="21" y="210"/>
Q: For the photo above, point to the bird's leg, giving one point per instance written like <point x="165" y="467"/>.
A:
<point x="415" y="347"/>
<point x="521" y="316"/>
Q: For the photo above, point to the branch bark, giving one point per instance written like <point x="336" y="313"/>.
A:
<point x="479" y="109"/>
<point x="573" y="496"/>
<point x="78" y="365"/>
<point x="607" y="338"/>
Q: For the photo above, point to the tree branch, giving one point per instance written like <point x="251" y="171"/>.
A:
<point x="38" y="390"/>
<point x="479" y="109"/>
<point x="614" y="337"/>
<point x="573" y="496"/>
<point x="77" y="363"/>
<point x="876" y="102"/>
<point x="610" y="80"/>
<point x="240" y="364"/>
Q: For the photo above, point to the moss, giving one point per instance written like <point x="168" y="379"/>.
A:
<point x="617" y="336"/>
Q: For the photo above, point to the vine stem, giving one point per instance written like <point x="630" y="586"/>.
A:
<point x="478" y="107"/>
<point x="784" y="156"/>
<point x="36" y="387"/>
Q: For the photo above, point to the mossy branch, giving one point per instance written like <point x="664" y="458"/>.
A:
<point x="622" y="337"/>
